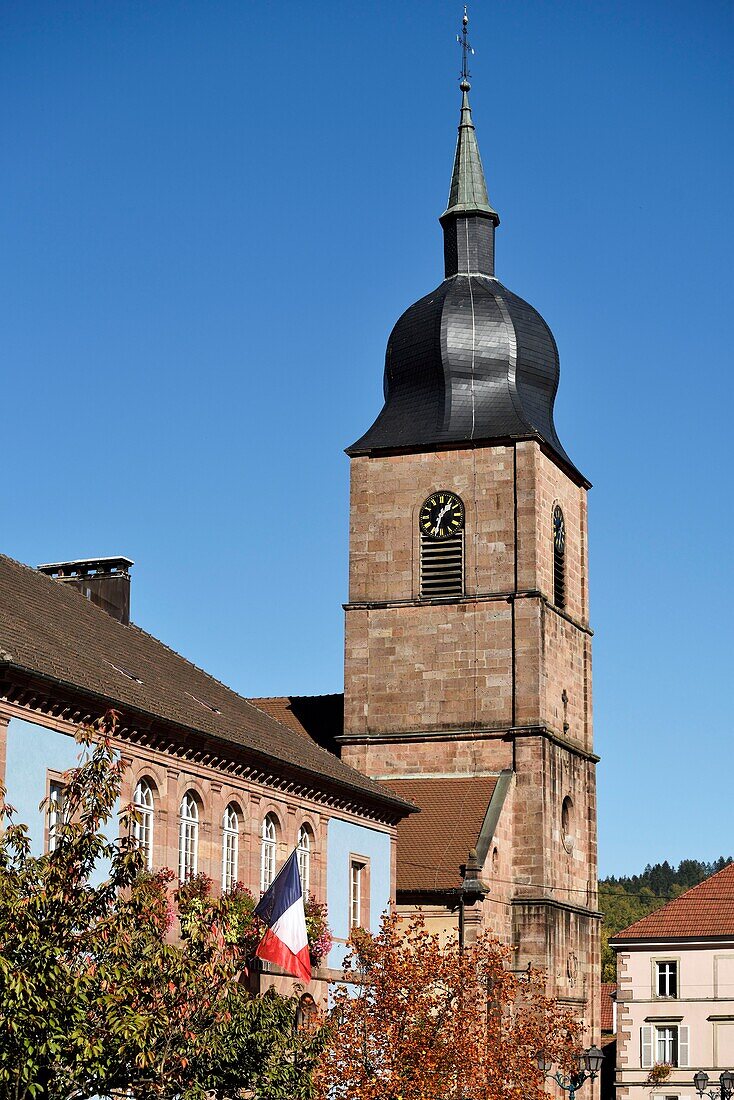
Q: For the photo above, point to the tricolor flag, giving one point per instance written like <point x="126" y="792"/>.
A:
<point x="281" y="908"/>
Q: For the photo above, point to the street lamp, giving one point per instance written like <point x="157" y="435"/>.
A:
<point x="723" y="1092"/>
<point x="589" y="1065"/>
<point x="471" y="891"/>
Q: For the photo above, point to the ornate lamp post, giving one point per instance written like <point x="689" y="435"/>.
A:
<point x="472" y="890"/>
<point x="723" y="1092"/>
<point x="588" y="1069"/>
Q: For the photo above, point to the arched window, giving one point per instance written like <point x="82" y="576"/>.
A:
<point x="304" y="858"/>
<point x="230" y="847"/>
<point x="441" y="526"/>
<point x="567" y="824"/>
<point x="188" y="837"/>
<point x="268" y="842"/>
<point x="559" y="557"/>
<point x="143" y="822"/>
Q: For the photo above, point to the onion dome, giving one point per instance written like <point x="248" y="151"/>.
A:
<point x="471" y="363"/>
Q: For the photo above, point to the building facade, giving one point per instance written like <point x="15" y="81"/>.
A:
<point x="220" y="787"/>
<point x="675" y="993"/>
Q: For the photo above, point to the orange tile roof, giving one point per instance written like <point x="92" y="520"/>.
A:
<point x="607" y="1005"/>
<point x="704" y="910"/>
<point x="434" y="843"/>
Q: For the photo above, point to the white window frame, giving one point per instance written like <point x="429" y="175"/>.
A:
<point x="230" y="846"/>
<point x="672" y="970"/>
<point x="304" y="859"/>
<point x="268" y="851"/>
<point x="188" y="837"/>
<point x="356" y="871"/>
<point x="55" y="813"/>
<point x="651" y="1051"/>
<point x="143" y="818"/>
<point x="666" y="1044"/>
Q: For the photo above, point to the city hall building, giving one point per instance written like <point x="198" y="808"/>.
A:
<point x="467" y="678"/>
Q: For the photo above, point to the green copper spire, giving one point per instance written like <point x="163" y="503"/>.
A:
<point x="468" y="191"/>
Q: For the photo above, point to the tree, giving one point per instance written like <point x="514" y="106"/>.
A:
<point x="429" y="1022"/>
<point x="94" y="996"/>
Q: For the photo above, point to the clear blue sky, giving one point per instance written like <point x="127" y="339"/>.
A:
<point x="213" y="212"/>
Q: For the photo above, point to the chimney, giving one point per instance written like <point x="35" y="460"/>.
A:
<point x="104" y="581"/>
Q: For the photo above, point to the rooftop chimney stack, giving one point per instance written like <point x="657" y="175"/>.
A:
<point x="103" y="581"/>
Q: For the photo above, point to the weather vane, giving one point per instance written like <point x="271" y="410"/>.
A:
<point x="466" y="49"/>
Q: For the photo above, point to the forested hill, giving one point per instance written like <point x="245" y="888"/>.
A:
<point x="625" y="900"/>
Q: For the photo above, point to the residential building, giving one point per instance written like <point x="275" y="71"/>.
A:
<point x="675" y="993"/>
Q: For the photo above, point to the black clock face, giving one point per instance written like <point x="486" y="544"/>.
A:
<point x="559" y="530"/>
<point x="442" y="515"/>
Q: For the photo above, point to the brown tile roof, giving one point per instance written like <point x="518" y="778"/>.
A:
<point x="50" y="630"/>
<point x="320" y="717"/>
<point x="434" y="843"/>
<point x="606" y="1004"/>
<point x="704" y="910"/>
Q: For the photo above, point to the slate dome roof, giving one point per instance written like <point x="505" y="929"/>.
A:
<point x="471" y="362"/>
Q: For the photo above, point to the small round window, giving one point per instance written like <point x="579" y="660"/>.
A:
<point x="567" y="824"/>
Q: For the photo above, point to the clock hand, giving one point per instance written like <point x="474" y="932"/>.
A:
<point x="440" y="516"/>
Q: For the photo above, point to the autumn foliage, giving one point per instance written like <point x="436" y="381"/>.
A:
<point x="428" y="1022"/>
<point x="121" y="985"/>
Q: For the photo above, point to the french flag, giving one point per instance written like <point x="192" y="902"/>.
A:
<point x="281" y="907"/>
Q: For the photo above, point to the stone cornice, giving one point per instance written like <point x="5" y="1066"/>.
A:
<point x="525" y="900"/>
<point x="468" y="732"/>
<point x="479" y="597"/>
<point x="63" y="707"/>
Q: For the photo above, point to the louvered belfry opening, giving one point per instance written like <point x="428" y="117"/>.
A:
<point x="559" y="559"/>
<point x="442" y="567"/>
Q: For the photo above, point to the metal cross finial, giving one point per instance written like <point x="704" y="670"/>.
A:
<point x="466" y="49"/>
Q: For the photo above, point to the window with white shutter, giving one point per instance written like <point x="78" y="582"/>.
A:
<point x="646" y="1047"/>
<point x="683" y="1053"/>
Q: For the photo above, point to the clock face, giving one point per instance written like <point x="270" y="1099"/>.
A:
<point x="442" y="515"/>
<point x="559" y="530"/>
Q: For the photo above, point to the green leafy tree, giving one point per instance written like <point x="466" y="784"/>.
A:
<point x="95" y="996"/>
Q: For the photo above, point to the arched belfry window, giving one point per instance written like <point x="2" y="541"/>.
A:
<point x="559" y="557"/>
<point x="441" y="526"/>
<point x="143" y="819"/>
<point x="230" y="847"/>
<point x="188" y="837"/>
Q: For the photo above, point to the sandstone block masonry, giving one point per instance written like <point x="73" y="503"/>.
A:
<point x="498" y="679"/>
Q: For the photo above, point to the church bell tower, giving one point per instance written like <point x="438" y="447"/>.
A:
<point x="468" y="646"/>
